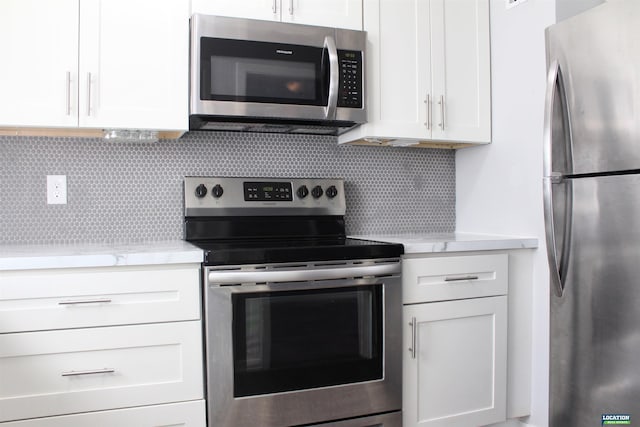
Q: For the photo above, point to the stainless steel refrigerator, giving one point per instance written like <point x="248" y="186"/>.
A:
<point x="592" y="215"/>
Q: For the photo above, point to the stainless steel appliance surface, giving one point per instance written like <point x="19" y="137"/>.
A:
<point x="302" y="325"/>
<point x="592" y="214"/>
<point x="262" y="76"/>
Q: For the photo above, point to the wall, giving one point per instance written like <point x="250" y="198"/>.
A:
<point x="499" y="187"/>
<point x="567" y="8"/>
<point x="128" y="192"/>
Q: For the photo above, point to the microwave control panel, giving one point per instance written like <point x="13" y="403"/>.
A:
<point x="350" y="92"/>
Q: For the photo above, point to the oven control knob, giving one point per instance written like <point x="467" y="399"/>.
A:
<point x="201" y="191"/>
<point x="217" y="191"/>
<point x="332" y="192"/>
<point x="317" y="192"/>
<point x="303" y="191"/>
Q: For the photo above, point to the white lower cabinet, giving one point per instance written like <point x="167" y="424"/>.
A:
<point x="185" y="414"/>
<point x="109" y="346"/>
<point x="79" y="297"/>
<point x="455" y="367"/>
<point x="455" y="345"/>
<point x="70" y="371"/>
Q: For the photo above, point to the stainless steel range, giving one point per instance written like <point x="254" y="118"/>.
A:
<point x="302" y="325"/>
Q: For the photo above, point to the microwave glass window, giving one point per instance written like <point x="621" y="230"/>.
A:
<point x="295" y="340"/>
<point x="249" y="71"/>
<point x="238" y="77"/>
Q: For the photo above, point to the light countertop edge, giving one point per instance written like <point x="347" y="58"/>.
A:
<point x="415" y="243"/>
<point x="33" y="257"/>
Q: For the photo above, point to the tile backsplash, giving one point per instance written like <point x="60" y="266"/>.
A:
<point x="133" y="192"/>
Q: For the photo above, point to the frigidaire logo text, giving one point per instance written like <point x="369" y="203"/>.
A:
<point x="616" y="419"/>
<point x="284" y="52"/>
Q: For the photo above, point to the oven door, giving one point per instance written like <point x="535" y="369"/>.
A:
<point x="302" y="344"/>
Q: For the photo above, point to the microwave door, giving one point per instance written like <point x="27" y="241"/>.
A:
<point x="267" y="79"/>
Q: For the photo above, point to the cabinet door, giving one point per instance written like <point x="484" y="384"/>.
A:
<point x="39" y="51"/>
<point x="81" y="370"/>
<point x="134" y="64"/>
<point x="461" y="70"/>
<point x="268" y="10"/>
<point x="326" y="13"/>
<point x="455" y="363"/>
<point x="398" y="79"/>
<point x="398" y="72"/>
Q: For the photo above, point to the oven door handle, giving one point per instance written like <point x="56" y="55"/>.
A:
<point x="270" y="276"/>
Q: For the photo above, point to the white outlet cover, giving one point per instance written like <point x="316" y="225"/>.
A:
<point x="56" y="189"/>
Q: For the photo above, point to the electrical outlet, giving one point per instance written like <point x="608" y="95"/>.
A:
<point x="56" y="189"/>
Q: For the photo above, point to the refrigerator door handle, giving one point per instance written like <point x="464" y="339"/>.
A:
<point x="554" y="265"/>
<point x="557" y="264"/>
<point x="549" y="101"/>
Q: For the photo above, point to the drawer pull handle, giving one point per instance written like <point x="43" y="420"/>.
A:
<point x="412" y="349"/>
<point x="68" y="93"/>
<point x="85" y="301"/>
<point x="90" y="372"/>
<point x="460" y="278"/>
<point x="88" y="94"/>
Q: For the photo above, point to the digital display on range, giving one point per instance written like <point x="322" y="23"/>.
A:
<point x="268" y="191"/>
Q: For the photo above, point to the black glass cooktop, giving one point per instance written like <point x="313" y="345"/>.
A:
<point x="263" y="251"/>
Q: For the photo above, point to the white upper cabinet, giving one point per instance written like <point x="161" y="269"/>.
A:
<point x="461" y="71"/>
<point x="134" y="64"/>
<point x="328" y="13"/>
<point x="428" y="72"/>
<point x="267" y="10"/>
<point x="94" y="64"/>
<point x="39" y="51"/>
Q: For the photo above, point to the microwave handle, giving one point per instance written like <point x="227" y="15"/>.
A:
<point x="334" y="76"/>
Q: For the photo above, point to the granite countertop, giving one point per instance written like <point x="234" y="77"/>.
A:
<point x="29" y="257"/>
<point x="453" y="242"/>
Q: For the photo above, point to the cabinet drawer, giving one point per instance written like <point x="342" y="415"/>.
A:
<point x="456" y="277"/>
<point x="185" y="414"/>
<point x="75" y="298"/>
<point x="64" y="372"/>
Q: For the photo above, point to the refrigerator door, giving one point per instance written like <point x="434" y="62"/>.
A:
<point x="557" y="213"/>
<point x="595" y="324"/>
<point x="598" y="53"/>
<point x="557" y="164"/>
<point x="557" y="143"/>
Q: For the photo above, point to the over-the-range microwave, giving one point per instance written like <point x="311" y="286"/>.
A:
<point x="263" y="76"/>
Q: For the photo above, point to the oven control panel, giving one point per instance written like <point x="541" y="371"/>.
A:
<point x="262" y="191"/>
<point x="221" y="196"/>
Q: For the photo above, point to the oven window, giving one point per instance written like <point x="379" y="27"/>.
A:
<point x="248" y="71"/>
<point x="296" y="340"/>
